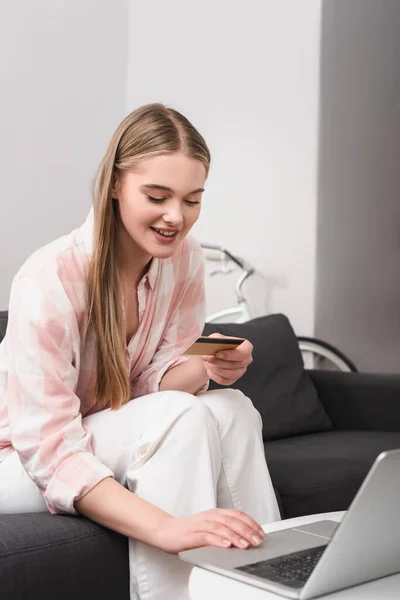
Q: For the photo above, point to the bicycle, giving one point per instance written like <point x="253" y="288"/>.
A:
<point x="316" y="354"/>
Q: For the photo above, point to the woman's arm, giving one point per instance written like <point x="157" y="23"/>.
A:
<point x="43" y="409"/>
<point x="115" y="507"/>
<point x="190" y="376"/>
<point x="112" y="505"/>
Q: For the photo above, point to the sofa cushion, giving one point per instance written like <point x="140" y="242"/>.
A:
<point x="46" y="556"/>
<point x="322" y="472"/>
<point x="3" y="323"/>
<point x="276" y="382"/>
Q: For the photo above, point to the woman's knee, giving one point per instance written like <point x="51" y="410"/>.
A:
<point x="189" y="422"/>
<point x="177" y="406"/>
<point x="194" y="410"/>
<point x="182" y="405"/>
<point x="231" y="405"/>
<point x="181" y="400"/>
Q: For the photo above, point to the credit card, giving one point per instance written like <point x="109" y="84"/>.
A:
<point x="206" y="346"/>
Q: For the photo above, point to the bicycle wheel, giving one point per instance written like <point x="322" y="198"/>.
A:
<point x="323" y="356"/>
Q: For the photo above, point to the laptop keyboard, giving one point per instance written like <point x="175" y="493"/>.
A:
<point x="291" y="569"/>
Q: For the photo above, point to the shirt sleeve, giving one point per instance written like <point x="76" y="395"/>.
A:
<point x="185" y="327"/>
<point x="43" y="346"/>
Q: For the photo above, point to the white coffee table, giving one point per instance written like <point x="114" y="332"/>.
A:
<point x="211" y="586"/>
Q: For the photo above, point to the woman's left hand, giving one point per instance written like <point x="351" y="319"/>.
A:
<point x="228" y="365"/>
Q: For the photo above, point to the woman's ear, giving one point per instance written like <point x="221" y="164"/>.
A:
<point x="115" y="188"/>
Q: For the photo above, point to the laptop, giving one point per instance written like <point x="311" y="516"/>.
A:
<point x="325" y="556"/>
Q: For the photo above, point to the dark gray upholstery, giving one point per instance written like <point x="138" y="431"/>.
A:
<point x="3" y="323"/>
<point x="59" y="557"/>
<point x="276" y="382"/>
<point x="365" y="401"/>
<point x="323" y="470"/>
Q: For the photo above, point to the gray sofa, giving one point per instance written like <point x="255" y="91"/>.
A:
<point x="322" y="431"/>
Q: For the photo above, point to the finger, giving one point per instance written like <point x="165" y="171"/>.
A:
<point x="227" y="364"/>
<point x="228" y="533"/>
<point x="239" y="514"/>
<point x="236" y="530"/>
<point x="220" y="380"/>
<point x="223" y="379"/>
<point x="217" y="335"/>
<point x="224" y="369"/>
<point x="205" y="538"/>
<point x="241" y="353"/>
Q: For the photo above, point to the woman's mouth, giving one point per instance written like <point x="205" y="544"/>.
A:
<point x="164" y="236"/>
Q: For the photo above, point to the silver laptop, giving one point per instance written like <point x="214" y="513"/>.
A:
<point x="325" y="556"/>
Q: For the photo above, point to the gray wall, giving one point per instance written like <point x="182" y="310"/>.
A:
<point x="358" y="231"/>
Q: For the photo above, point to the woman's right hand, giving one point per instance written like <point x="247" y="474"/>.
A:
<point x="216" y="527"/>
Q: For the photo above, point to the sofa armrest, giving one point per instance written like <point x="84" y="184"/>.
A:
<point x="52" y="556"/>
<point x="359" y="401"/>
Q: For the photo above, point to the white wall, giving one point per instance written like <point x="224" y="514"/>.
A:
<point x="63" y="91"/>
<point x="247" y="75"/>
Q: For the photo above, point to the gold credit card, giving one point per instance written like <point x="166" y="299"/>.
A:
<point x="209" y="346"/>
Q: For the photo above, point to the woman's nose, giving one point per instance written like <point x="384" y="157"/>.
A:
<point x="174" y="215"/>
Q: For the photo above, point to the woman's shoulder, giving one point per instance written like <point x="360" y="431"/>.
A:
<point x="52" y="281"/>
<point x="62" y="259"/>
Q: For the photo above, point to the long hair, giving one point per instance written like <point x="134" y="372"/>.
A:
<point x="148" y="131"/>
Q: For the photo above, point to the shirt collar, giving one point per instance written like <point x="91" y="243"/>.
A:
<point x="152" y="272"/>
<point x="87" y="236"/>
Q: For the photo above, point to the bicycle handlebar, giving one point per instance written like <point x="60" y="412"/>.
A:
<point x="238" y="261"/>
<point x="247" y="269"/>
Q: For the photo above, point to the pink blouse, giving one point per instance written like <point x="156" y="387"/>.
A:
<point x="47" y="358"/>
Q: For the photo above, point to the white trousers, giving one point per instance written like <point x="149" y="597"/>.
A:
<point x="183" y="453"/>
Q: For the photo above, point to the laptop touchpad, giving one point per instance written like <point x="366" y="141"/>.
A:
<point x="325" y="529"/>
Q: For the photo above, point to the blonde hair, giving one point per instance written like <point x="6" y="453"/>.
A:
<point x="148" y="131"/>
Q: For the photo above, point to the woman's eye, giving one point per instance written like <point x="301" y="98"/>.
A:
<point x="155" y="199"/>
<point x="159" y="200"/>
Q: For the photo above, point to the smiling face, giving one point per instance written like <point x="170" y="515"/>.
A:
<point x="159" y="202"/>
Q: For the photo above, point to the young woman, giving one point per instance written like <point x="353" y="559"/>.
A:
<point x="100" y="412"/>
